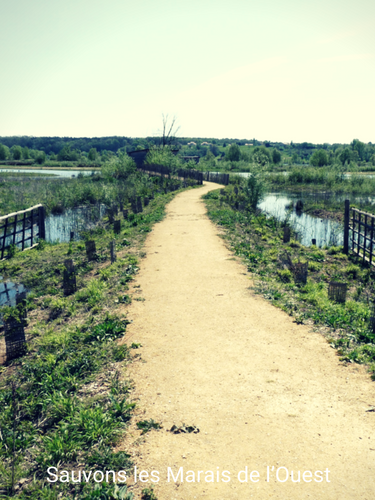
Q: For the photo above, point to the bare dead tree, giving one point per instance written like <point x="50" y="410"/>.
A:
<point x="169" y="132"/>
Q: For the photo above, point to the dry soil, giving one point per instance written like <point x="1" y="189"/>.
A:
<point x="262" y="390"/>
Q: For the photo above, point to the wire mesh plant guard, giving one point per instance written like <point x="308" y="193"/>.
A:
<point x="70" y="283"/>
<point x="90" y="250"/>
<point x="286" y="235"/>
<point x="372" y="315"/>
<point x="117" y="226"/>
<point x="14" y="332"/>
<point x="139" y="204"/>
<point x="111" y="215"/>
<point x="134" y="206"/>
<point x="337" y="292"/>
<point x="112" y="248"/>
<point x="300" y="272"/>
<point x="285" y="261"/>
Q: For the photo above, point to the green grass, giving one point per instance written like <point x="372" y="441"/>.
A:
<point x="147" y="425"/>
<point x="60" y="194"/>
<point x="326" y="183"/>
<point x="257" y="239"/>
<point x="72" y="398"/>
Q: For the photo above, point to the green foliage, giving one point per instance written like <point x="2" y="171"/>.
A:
<point x="147" y="425"/>
<point x="258" y="240"/>
<point x="119" y="168"/>
<point x="334" y="250"/>
<point x="104" y="491"/>
<point x="92" y="154"/>
<point x="47" y="388"/>
<point x="163" y="155"/>
<point x="3" y="153"/>
<point x="41" y="158"/>
<point x="233" y="153"/>
<point x="261" y="156"/>
<point x="352" y="271"/>
<point x="276" y="156"/>
<point x="25" y="153"/>
<point x="67" y="154"/>
<point x="92" y="294"/>
<point x="255" y="188"/>
<point x="314" y="266"/>
<point x="317" y="255"/>
<point x="16" y="152"/>
<point x="148" y="494"/>
<point x="285" y="275"/>
<point x="11" y="251"/>
<point x="319" y="158"/>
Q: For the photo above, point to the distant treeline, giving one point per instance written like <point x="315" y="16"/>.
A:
<point x="100" y="149"/>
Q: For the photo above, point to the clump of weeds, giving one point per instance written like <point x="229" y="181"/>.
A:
<point x="258" y="240"/>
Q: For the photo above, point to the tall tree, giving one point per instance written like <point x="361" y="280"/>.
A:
<point x="319" y="158"/>
<point x="359" y="147"/>
<point x="233" y="153"/>
<point x="25" y="153"/>
<point x="16" y="152"/>
<point x="92" y="154"/>
<point x="276" y="156"/>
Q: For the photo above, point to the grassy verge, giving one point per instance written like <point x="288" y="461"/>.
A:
<point x="64" y="193"/>
<point x="257" y="239"/>
<point x="324" y="189"/>
<point x="65" y="403"/>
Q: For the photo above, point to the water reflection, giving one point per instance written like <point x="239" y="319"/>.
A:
<point x="325" y="231"/>
<point x="59" y="227"/>
<point x="8" y="292"/>
<point x="58" y="173"/>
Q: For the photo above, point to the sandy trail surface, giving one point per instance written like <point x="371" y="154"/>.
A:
<point x="262" y="390"/>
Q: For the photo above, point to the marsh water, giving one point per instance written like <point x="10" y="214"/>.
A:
<point x="324" y="231"/>
<point x="8" y="292"/>
<point x="57" y="173"/>
<point x="278" y="204"/>
<point x="60" y="226"/>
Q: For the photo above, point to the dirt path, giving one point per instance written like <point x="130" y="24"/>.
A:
<point x="262" y="390"/>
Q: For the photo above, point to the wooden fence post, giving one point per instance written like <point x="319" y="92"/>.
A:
<point x="5" y="228"/>
<point x="42" y="223"/>
<point x="346" y="226"/>
<point x="112" y="248"/>
<point x="371" y="239"/>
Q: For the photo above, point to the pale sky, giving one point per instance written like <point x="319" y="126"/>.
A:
<point x="293" y="70"/>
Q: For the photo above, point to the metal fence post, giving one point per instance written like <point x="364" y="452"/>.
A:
<point x="346" y="226"/>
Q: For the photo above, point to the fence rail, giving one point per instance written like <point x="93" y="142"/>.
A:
<point x="220" y="178"/>
<point x="359" y="233"/>
<point x="166" y="172"/>
<point x="184" y="174"/>
<point x="22" y="229"/>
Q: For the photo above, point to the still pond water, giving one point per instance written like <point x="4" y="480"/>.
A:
<point x="57" y="173"/>
<point x="325" y="231"/>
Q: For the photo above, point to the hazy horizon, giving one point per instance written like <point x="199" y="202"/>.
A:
<point x="278" y="71"/>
